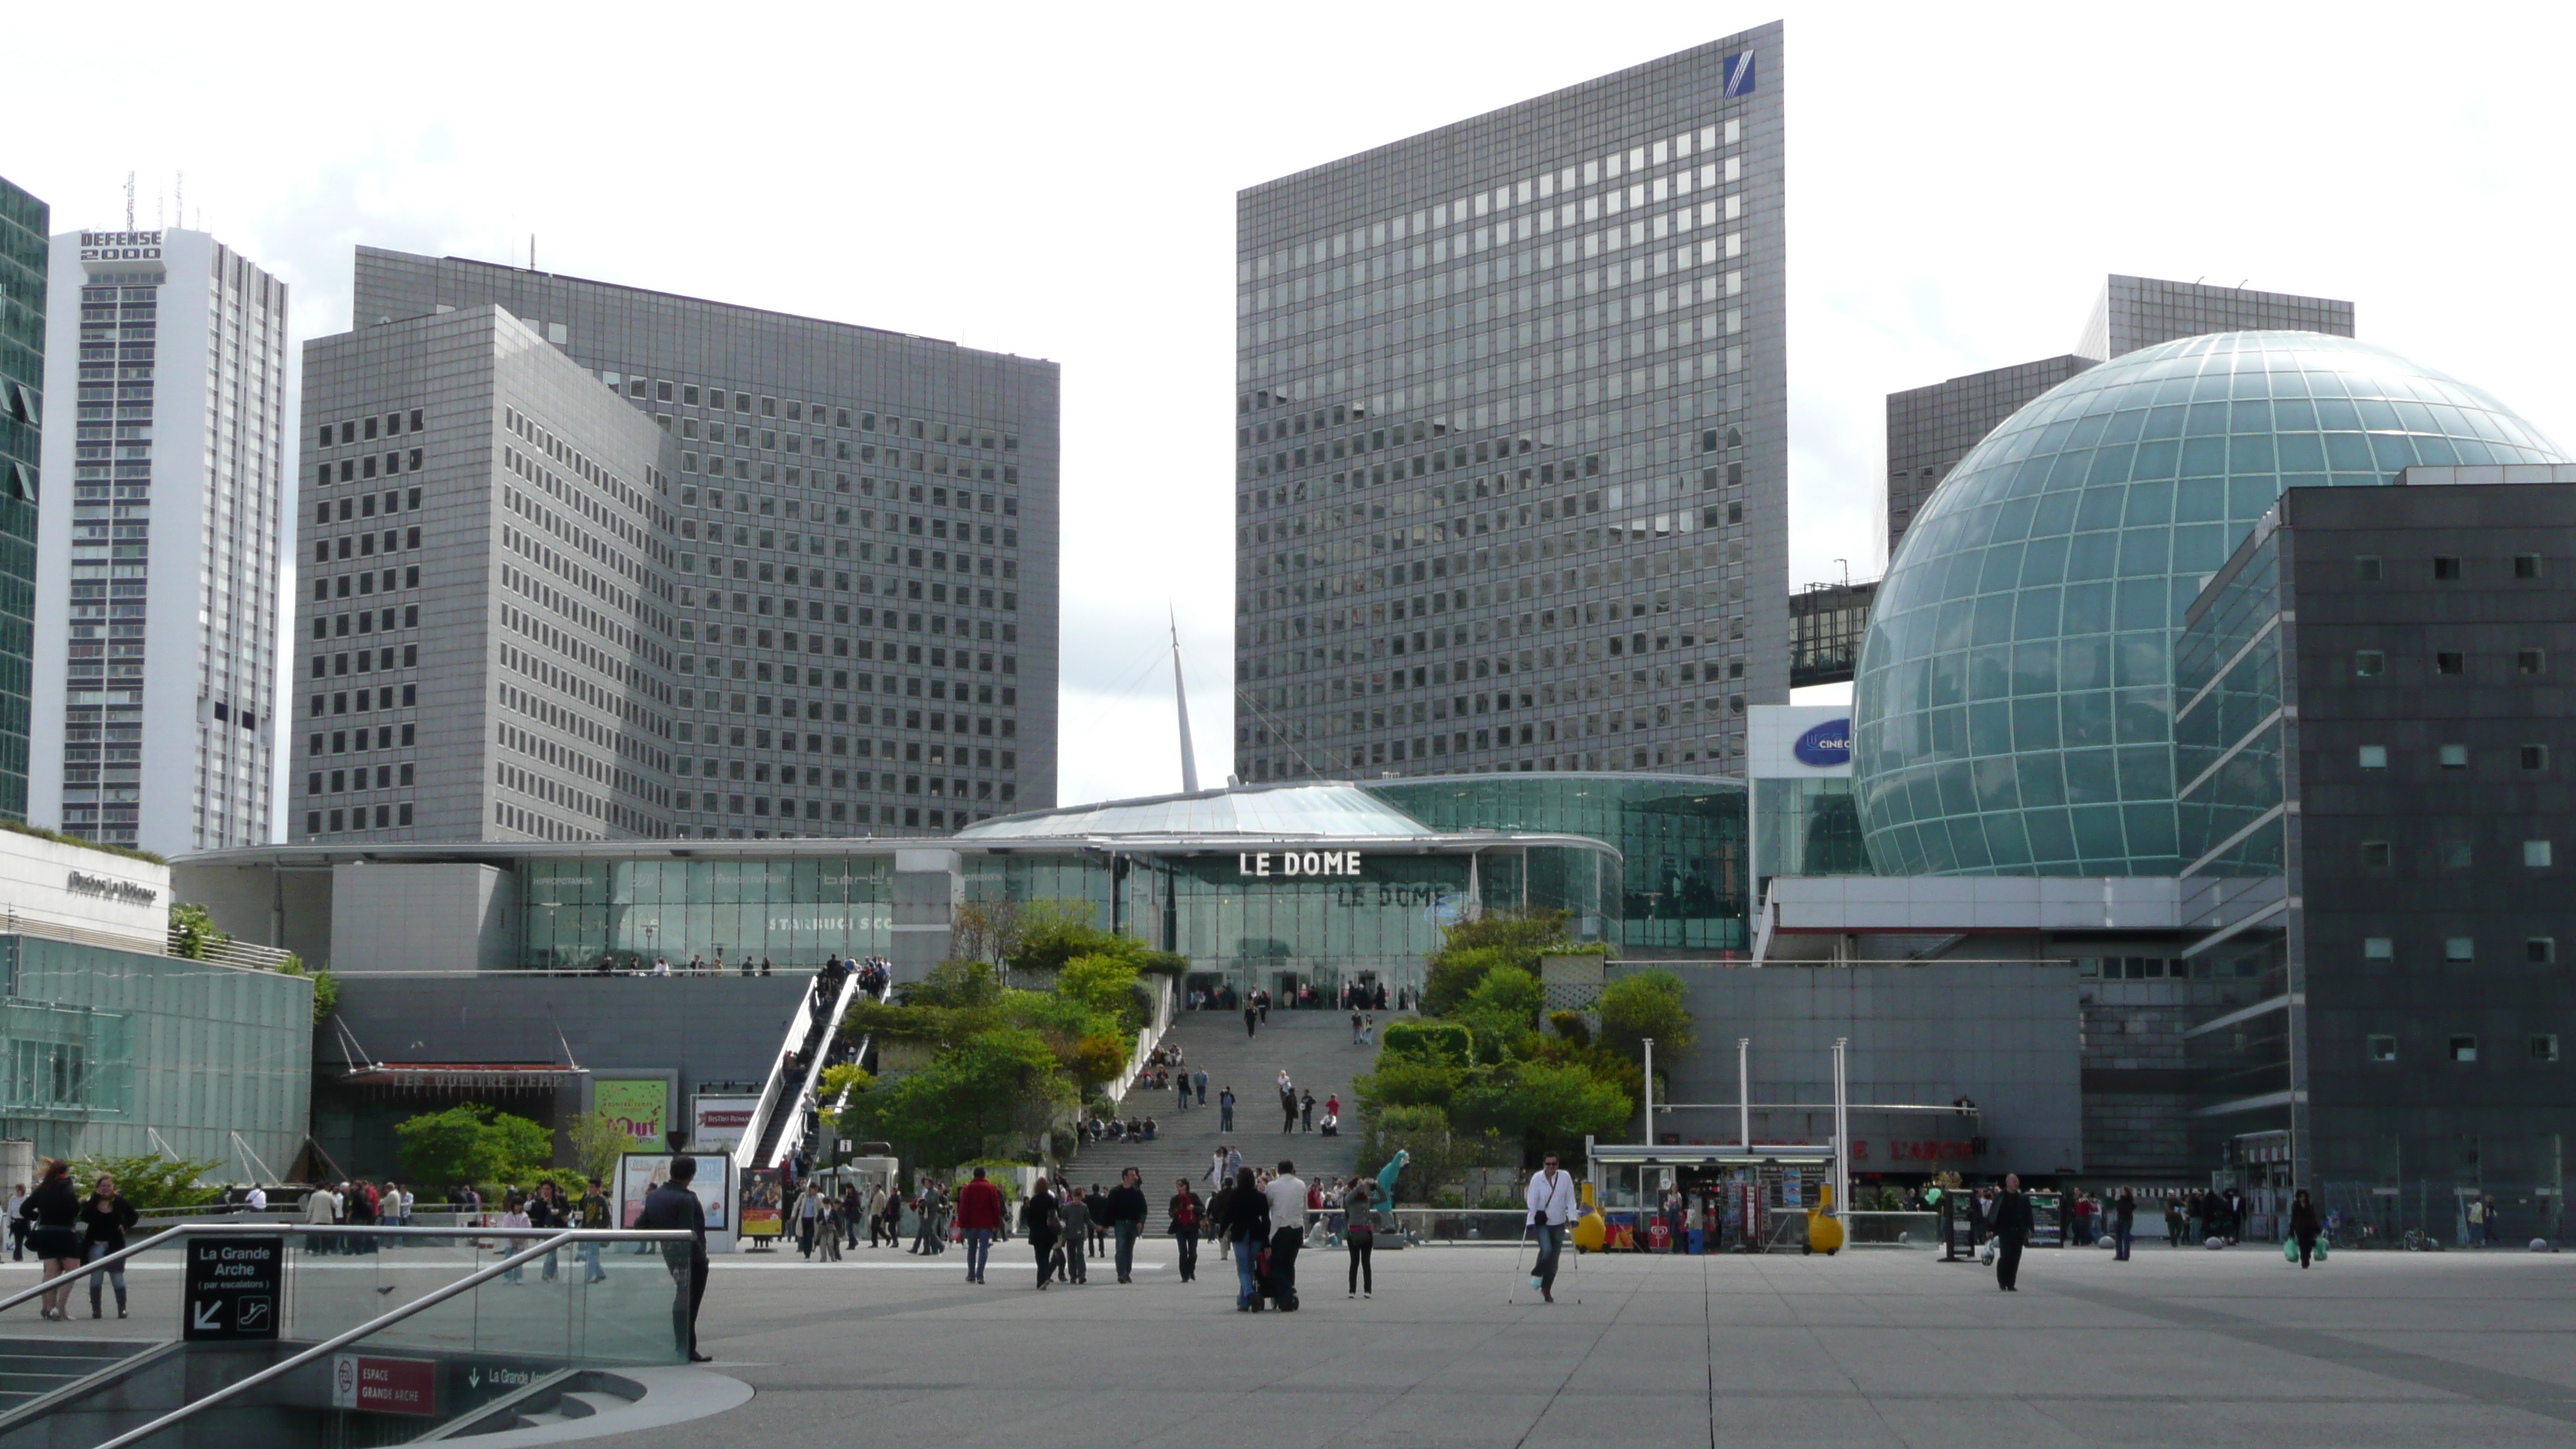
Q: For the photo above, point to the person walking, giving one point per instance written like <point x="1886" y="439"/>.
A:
<point x="1359" y="1234"/>
<point x="514" y="1214"/>
<point x="1039" y="1222"/>
<point x="1216" y="1175"/>
<point x="104" y="1219"/>
<point x="51" y="1217"/>
<point x="1550" y="1200"/>
<point x="852" y="1209"/>
<point x="1198" y="1081"/>
<point x="1287" y="1105"/>
<point x="1126" y="1205"/>
<point x="809" y="1218"/>
<point x="1261" y="1002"/>
<point x="1306" y="1110"/>
<point x="321" y="1209"/>
<point x="925" y="1219"/>
<point x="542" y="1213"/>
<point x="1074" y="1210"/>
<point x="594" y="1213"/>
<point x="1251" y="1019"/>
<point x="2011" y="1228"/>
<point x="2124" y="1223"/>
<point x="1186" y="1213"/>
<point x="675" y="1205"/>
<point x="2304" y="1227"/>
<point x="18" y="1228"/>
<point x="1225" y="1110"/>
<point x="1287" y="1193"/>
<point x="979" y="1216"/>
<point x="1243" y="1212"/>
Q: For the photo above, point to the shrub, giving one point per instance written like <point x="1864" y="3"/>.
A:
<point x="1430" y="1041"/>
<point x="1646" y="1004"/>
<point x="1099" y="1058"/>
<point x="470" y="1142"/>
<point x="151" y="1182"/>
<point x="1570" y="1026"/>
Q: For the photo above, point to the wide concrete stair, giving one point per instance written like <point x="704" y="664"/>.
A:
<point x="1314" y="1046"/>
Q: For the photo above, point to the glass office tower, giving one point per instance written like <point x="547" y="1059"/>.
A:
<point x="1509" y="428"/>
<point x="23" y="220"/>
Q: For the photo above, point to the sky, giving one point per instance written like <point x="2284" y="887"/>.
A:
<point x="1058" y="182"/>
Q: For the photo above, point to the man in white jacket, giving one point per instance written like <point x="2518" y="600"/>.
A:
<point x="1551" y="1212"/>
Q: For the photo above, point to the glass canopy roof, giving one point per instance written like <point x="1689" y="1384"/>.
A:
<point x="1319" y="811"/>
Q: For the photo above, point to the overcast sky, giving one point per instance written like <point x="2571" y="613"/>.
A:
<point x="1059" y="181"/>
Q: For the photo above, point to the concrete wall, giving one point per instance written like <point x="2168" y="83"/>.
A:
<point x="454" y="916"/>
<point x="2005" y="1036"/>
<point x="117" y="893"/>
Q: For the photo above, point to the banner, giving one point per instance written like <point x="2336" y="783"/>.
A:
<point x="642" y="1106"/>
<point x="764" y="1202"/>
<point x="640" y="1172"/>
<point x="719" y="1121"/>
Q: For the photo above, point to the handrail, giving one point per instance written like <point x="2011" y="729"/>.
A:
<point x="794" y="1133"/>
<point x="746" y="1153"/>
<point x="554" y="1242"/>
<point x="337" y="1230"/>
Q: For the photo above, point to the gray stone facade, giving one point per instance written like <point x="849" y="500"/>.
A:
<point x="883" y="511"/>
<point x="1511" y="482"/>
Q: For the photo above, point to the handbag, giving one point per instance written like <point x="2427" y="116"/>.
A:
<point x="1986" y="1253"/>
<point x="2289" y="1250"/>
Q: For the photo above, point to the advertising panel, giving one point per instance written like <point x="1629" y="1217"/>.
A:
<point x="764" y="1202"/>
<point x="719" y="1120"/>
<point x="640" y="1172"/>
<point x="641" y="1105"/>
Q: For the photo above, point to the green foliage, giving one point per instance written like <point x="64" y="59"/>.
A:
<point x="1646" y="1004"/>
<point x="192" y="930"/>
<point x="1430" y="1041"/>
<point x="1438" y="1154"/>
<point x="996" y="1082"/>
<point x="1104" y="983"/>
<point x="326" y="987"/>
<point x="470" y="1142"/>
<point x="1098" y="1058"/>
<point x="598" y="1139"/>
<point x="843" y="1077"/>
<point x="152" y="1182"/>
<point x="20" y="827"/>
<point x="1054" y="932"/>
<point x="1569" y="1026"/>
<point x="1546" y="1106"/>
<point x="1503" y="1007"/>
<point x="1402" y="1082"/>
<point x="956" y="986"/>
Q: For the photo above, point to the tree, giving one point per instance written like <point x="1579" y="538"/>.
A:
<point x="1546" y="1106"/>
<point x="1645" y="1004"/>
<point x="997" y="1082"/>
<point x="986" y="930"/>
<point x="1054" y="932"/>
<point x="1098" y="1058"/>
<point x="151" y="1182"/>
<point x="470" y="1142"/>
<point x="1103" y="983"/>
<point x="598" y="1139"/>
<point x="192" y="930"/>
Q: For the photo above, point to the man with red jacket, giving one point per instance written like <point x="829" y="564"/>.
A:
<point x="979" y="1216"/>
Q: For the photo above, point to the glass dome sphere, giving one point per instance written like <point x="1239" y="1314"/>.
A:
<point x="2011" y="708"/>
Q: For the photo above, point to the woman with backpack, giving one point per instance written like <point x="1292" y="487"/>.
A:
<point x="1244" y="1213"/>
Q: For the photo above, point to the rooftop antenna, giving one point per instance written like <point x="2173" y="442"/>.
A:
<point x="532" y="251"/>
<point x="1181" y="703"/>
<point x="129" y="201"/>
<point x="179" y="197"/>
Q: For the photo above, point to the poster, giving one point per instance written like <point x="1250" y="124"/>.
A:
<point x="641" y="1105"/>
<point x="1792" y="1188"/>
<point x="764" y="1202"/>
<point x="718" y="1121"/>
<point x="640" y="1172"/>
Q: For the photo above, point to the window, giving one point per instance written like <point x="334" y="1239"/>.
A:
<point x="2374" y="757"/>
<point x="2540" y="950"/>
<point x="2530" y="661"/>
<point x="2445" y="567"/>
<point x="2374" y="855"/>
<point x="2383" y="1048"/>
<point x="2366" y="568"/>
<point x="2378" y="948"/>
<point x="2535" y="757"/>
<point x="2459" y="950"/>
<point x="2369" y="664"/>
<point x="2535" y="854"/>
<point x="2455" y="757"/>
<point x="2544" y="1046"/>
<point x="2450" y="661"/>
<point x="2456" y="855"/>
<point x="2464" y="1048"/>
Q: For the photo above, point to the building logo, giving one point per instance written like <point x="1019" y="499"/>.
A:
<point x="123" y="892"/>
<point x="120" y="246"/>
<point x="1739" y="75"/>
<point x="1827" y="746"/>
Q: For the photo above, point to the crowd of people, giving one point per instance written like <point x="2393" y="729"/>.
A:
<point x="875" y="972"/>
<point x="1369" y="996"/>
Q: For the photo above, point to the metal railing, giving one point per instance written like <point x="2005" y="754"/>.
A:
<point x="545" y="1241"/>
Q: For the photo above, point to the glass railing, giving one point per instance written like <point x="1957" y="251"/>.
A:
<point x="335" y="1324"/>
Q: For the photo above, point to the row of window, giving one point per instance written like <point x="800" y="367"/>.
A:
<point x="2460" y="1047"/>
<point x="2371" y="568"/>
<point x="2448" y="663"/>
<point x="2379" y="855"/>
<point x="2455" y="757"/>
<point x="317" y="822"/>
<point x="338" y="702"/>
<point x="340" y="741"/>
<point x="1640" y="757"/>
<point x="356" y="430"/>
<point x="967" y="435"/>
<point x="2459" y="950"/>
<point x="337" y="782"/>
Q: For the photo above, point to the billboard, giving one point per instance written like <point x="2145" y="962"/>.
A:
<point x="764" y="1202"/>
<point x="640" y="1172"/>
<point x="641" y="1105"/>
<point x="719" y="1120"/>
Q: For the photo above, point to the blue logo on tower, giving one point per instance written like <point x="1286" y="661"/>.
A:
<point x="1827" y="746"/>
<point x="1739" y="75"/>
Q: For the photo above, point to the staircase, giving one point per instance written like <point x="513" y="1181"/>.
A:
<point x="1315" y="1047"/>
<point x="780" y="1124"/>
<point x="31" y="1369"/>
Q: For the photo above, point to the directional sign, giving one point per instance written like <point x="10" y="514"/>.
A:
<point x="234" y="1288"/>
<point x="385" y="1385"/>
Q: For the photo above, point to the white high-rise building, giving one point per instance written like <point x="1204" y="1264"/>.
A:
<point x="157" y="556"/>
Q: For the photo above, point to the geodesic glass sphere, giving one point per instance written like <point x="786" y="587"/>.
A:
<point x="2011" y="709"/>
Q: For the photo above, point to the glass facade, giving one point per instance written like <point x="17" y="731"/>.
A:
<point x="2228" y="723"/>
<point x="101" y="1049"/>
<point x="1680" y="839"/>
<point x="795" y="911"/>
<point x="24" y="222"/>
<point x="2014" y="703"/>
<point x="1808" y="826"/>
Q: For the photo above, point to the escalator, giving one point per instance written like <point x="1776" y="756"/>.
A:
<point x="783" y="1120"/>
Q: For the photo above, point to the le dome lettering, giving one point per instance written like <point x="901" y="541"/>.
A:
<point x="1257" y="864"/>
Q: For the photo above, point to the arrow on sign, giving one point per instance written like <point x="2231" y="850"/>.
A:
<point x="474" y="1378"/>
<point x="208" y="1313"/>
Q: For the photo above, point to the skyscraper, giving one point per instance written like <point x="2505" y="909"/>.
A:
<point x="862" y="538"/>
<point x="156" y="622"/>
<point x="1929" y="429"/>
<point x="487" y="595"/>
<point x="1510" y="455"/>
<point x="23" y="224"/>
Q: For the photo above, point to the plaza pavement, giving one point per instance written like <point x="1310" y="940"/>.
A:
<point x="2180" y="1348"/>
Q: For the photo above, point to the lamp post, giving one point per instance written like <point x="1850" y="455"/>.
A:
<point x="1842" y="1126"/>
<point x="1650" y="1091"/>
<point x="1743" y="1094"/>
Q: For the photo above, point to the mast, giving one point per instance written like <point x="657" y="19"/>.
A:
<point x="1181" y="704"/>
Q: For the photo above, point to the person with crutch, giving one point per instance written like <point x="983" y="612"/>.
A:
<point x="1551" y="1210"/>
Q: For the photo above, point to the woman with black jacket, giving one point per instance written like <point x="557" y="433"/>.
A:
<point x="1243" y="1211"/>
<point x="1186" y="1210"/>
<point x="1038" y="1220"/>
<point x="2304" y="1225"/>
<point x="52" y="1214"/>
<point x="104" y="1219"/>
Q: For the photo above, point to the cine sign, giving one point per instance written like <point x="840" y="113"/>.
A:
<point x="1297" y="862"/>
